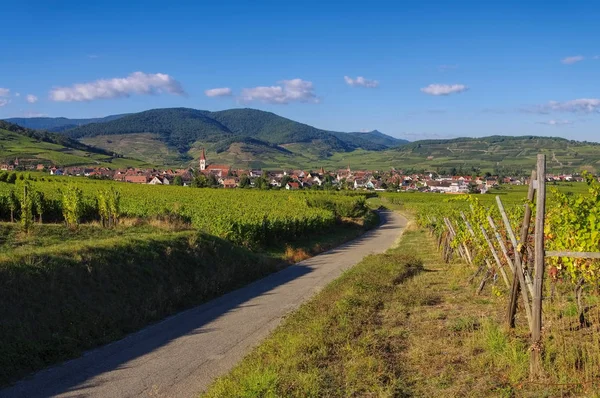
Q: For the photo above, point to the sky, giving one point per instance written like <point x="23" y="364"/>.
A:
<point x="411" y="69"/>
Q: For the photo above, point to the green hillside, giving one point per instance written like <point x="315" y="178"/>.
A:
<point x="252" y="138"/>
<point x="33" y="147"/>
<point x="177" y="131"/>
<point x="486" y="154"/>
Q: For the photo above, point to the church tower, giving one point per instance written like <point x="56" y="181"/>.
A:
<point x="203" y="161"/>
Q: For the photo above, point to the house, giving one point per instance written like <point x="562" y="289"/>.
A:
<point x="136" y="179"/>
<point x="491" y="182"/>
<point x="156" y="181"/>
<point x="229" y="183"/>
<point x="457" y="187"/>
<point x="439" y="186"/>
<point x="292" y="186"/>
<point x="219" y="170"/>
<point x="275" y="182"/>
<point x="40" y="167"/>
<point x="358" y="183"/>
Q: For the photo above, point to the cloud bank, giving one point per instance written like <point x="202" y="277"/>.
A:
<point x="218" y="92"/>
<point x="581" y="105"/>
<point x="136" y="83"/>
<point x="361" y="82"/>
<point x="444" y="89"/>
<point x="294" y="90"/>
<point x="4" y="92"/>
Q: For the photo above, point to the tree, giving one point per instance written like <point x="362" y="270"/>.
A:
<point x="473" y="188"/>
<point x="262" y="183"/>
<point x="200" y="181"/>
<point x="178" y="181"/>
<point x="244" y="181"/>
<point x="285" y="180"/>
<point x="12" y="178"/>
<point x="212" y="181"/>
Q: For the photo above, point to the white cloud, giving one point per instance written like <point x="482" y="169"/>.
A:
<point x="32" y="99"/>
<point x="135" y="83"/>
<point x="4" y="92"/>
<point x="218" y="92"/>
<point x="581" y="105"/>
<point x="361" y="81"/>
<point x="295" y="90"/>
<point x="3" y="102"/>
<point x="17" y="94"/>
<point x="556" y="122"/>
<point x="444" y="89"/>
<point x="572" y="60"/>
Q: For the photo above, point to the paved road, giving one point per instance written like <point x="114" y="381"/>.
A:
<point x="181" y="355"/>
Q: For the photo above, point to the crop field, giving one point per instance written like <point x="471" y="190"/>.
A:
<point x="84" y="262"/>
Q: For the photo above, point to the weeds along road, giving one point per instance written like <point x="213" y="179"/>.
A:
<point x="180" y="356"/>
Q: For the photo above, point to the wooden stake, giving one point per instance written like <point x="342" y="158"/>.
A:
<point x="501" y="244"/>
<point x="535" y="368"/>
<point x="496" y="258"/>
<point x="519" y="283"/>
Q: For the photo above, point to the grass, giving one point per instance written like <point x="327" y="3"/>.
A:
<point x="13" y="145"/>
<point x="347" y="341"/>
<point x="375" y="332"/>
<point x="65" y="291"/>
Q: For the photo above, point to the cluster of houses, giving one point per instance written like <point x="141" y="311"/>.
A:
<point x="228" y="177"/>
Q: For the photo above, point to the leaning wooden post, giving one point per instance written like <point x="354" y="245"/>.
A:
<point x="538" y="282"/>
<point x="519" y="284"/>
<point x="495" y="255"/>
<point x="522" y="282"/>
<point x="501" y="244"/>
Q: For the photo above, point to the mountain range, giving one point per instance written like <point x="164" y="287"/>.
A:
<point x="254" y="138"/>
<point x="175" y="135"/>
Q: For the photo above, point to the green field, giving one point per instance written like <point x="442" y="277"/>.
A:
<point x="68" y="287"/>
<point x="17" y="146"/>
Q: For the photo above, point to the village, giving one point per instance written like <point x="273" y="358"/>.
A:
<point x="225" y="176"/>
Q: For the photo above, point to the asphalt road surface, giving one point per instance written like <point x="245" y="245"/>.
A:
<point x="180" y="356"/>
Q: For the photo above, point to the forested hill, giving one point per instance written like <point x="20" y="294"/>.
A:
<point x="181" y="127"/>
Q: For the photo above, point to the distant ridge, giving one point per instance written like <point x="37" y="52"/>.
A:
<point x="254" y="138"/>
<point x="57" y="124"/>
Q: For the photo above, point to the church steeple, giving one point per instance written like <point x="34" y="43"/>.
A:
<point x="203" y="160"/>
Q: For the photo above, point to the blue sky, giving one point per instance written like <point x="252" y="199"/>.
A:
<point x="428" y="69"/>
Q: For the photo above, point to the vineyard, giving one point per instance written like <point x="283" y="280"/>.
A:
<point x="245" y="217"/>
<point x="540" y="250"/>
<point x="84" y="262"/>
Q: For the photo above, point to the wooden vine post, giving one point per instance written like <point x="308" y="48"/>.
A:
<point x="519" y="282"/>
<point x="535" y="368"/>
